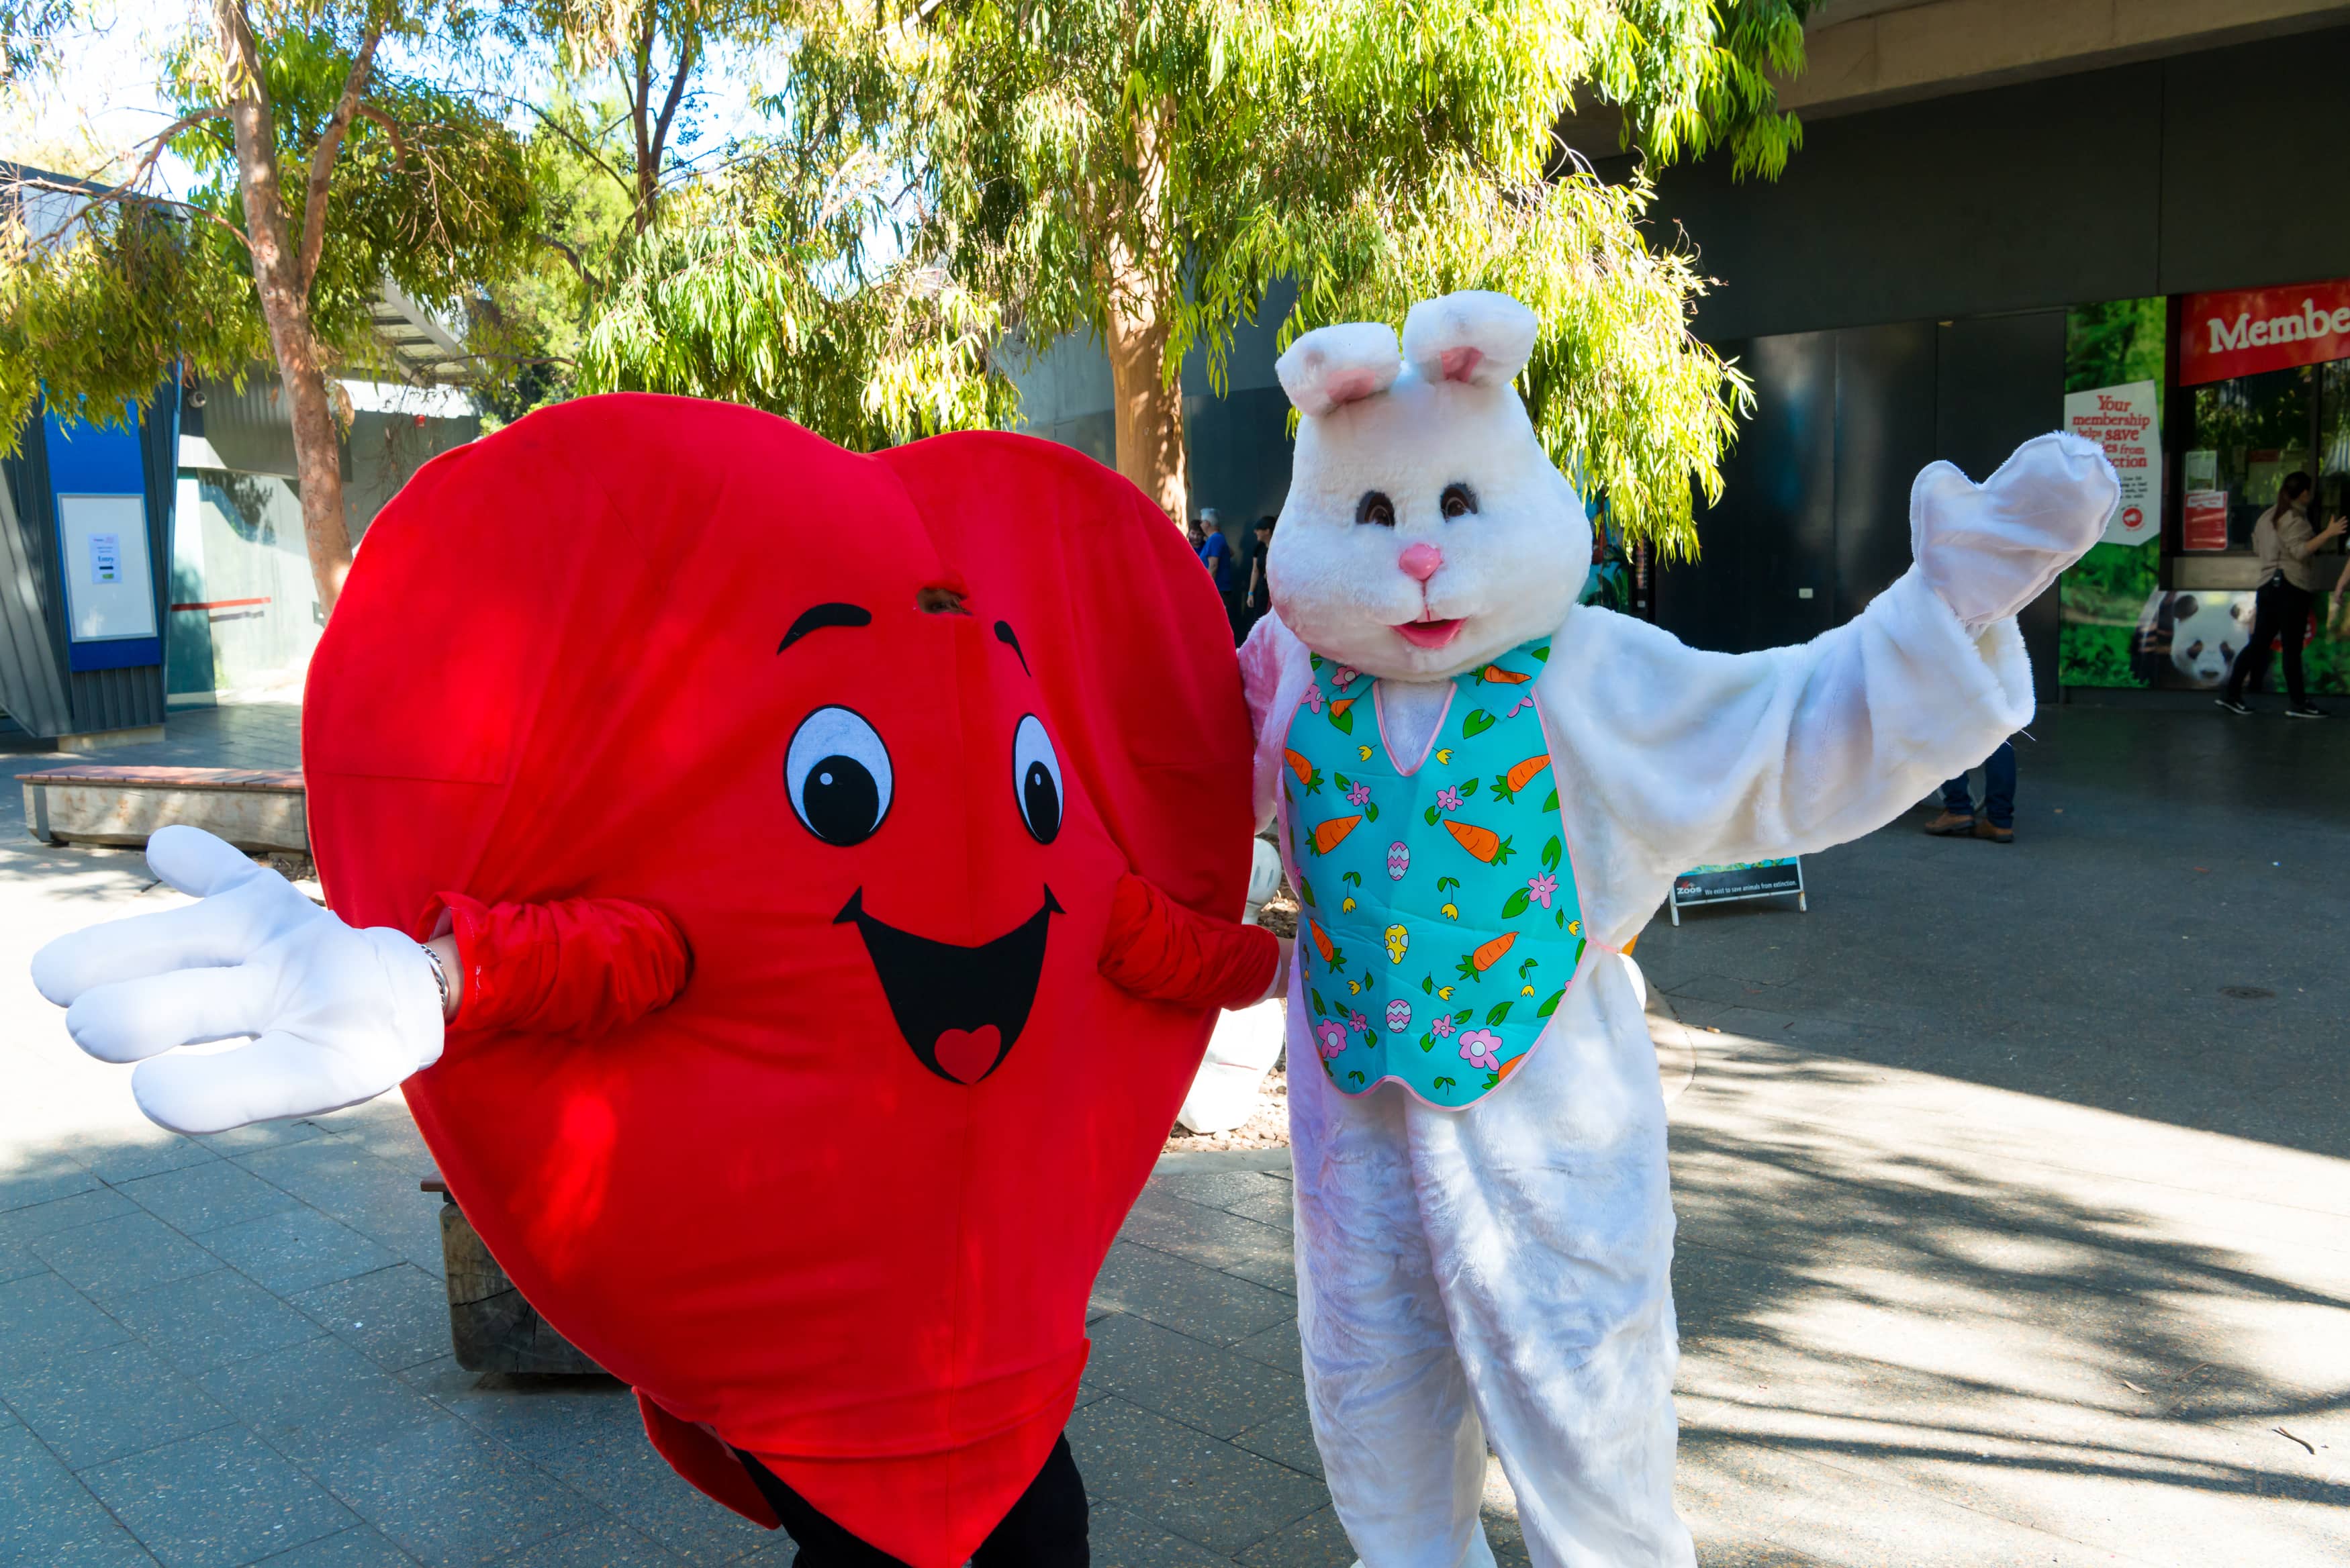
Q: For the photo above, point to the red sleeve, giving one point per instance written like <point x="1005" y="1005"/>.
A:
<point x="1155" y="948"/>
<point x="571" y="966"/>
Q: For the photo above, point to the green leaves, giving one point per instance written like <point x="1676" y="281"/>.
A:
<point x="1515" y="905"/>
<point x="1177" y="158"/>
<point x="1551" y="853"/>
<point x="1475" y="725"/>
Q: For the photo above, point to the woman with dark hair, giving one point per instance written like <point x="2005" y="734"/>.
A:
<point x="2287" y="545"/>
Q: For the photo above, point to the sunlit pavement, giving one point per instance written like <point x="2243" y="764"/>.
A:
<point x="2008" y="1236"/>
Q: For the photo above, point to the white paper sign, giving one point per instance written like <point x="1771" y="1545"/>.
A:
<point x="2122" y="420"/>
<point x="113" y="594"/>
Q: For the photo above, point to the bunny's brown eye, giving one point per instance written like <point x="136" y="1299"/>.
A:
<point x="1374" y="507"/>
<point x="1459" y="501"/>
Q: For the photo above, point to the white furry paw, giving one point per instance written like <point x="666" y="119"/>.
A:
<point x="1988" y="550"/>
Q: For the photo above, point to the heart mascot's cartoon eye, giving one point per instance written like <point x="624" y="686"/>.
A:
<point x="1036" y="780"/>
<point x="837" y="774"/>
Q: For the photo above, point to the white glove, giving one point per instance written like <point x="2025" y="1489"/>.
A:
<point x="338" y="1016"/>
<point x="1989" y="550"/>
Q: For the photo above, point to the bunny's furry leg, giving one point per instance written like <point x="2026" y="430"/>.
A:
<point x="1398" y="1434"/>
<point x="1505" y="1272"/>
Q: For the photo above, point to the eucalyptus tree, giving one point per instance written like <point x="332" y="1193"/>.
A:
<point x="1146" y="170"/>
<point x="323" y="171"/>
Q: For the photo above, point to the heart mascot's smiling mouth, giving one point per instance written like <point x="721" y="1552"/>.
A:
<point x="960" y="1009"/>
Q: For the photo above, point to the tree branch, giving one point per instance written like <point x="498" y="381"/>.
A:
<point x="668" y="107"/>
<point x="122" y="197"/>
<point x="322" y="163"/>
<point x="565" y="131"/>
<point x="571" y="254"/>
<point x="155" y="145"/>
<point x="389" y="127"/>
<point x="640" y="95"/>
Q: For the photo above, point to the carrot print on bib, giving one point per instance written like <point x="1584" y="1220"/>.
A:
<point x="1440" y="925"/>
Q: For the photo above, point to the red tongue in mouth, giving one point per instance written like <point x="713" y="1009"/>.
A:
<point x="966" y="1054"/>
<point x="1429" y="633"/>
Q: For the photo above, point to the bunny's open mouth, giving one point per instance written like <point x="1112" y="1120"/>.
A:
<point x="1430" y="633"/>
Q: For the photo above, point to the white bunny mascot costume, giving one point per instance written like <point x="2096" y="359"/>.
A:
<point x="1487" y="1260"/>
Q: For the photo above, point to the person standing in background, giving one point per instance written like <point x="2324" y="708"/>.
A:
<point x="1256" y="598"/>
<point x="1996" y="821"/>
<point x="2287" y="546"/>
<point x="1215" y="550"/>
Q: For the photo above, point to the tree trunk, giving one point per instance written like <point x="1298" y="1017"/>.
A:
<point x="285" y="305"/>
<point x="1148" y="412"/>
<point x="1138" y="298"/>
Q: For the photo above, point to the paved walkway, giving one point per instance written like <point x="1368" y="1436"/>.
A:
<point x="2014" y="1187"/>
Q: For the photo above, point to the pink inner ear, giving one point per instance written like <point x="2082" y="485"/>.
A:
<point x="1460" y="364"/>
<point x="1348" y="384"/>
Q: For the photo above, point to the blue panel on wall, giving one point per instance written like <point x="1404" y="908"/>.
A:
<point x="115" y="653"/>
<point x="94" y="459"/>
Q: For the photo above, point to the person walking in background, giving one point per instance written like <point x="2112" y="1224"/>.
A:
<point x="1256" y="597"/>
<point x="1996" y="820"/>
<point x="2287" y="546"/>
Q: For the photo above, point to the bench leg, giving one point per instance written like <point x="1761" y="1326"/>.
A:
<point x="36" y="814"/>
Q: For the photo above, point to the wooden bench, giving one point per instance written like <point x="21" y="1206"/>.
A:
<point x="493" y="1328"/>
<point x="260" y="812"/>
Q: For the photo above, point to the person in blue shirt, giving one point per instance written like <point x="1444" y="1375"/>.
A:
<point x="1215" y="551"/>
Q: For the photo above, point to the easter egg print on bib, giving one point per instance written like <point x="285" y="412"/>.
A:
<point x="1455" y="930"/>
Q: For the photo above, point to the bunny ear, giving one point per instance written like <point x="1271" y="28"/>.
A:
<point x="1483" y="340"/>
<point x="1335" y="365"/>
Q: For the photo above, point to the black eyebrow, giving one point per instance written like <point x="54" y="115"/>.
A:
<point x="1003" y="635"/>
<point x="823" y="616"/>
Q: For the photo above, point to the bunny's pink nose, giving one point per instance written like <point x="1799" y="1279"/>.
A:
<point x="1419" y="562"/>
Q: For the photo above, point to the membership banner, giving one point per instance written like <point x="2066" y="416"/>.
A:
<point x="2122" y="421"/>
<point x="2243" y="331"/>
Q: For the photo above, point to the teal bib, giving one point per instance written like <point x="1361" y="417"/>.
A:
<point x="1440" y="927"/>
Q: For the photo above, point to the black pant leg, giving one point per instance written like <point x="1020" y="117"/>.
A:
<point x="2292" y="618"/>
<point x="2254" y="659"/>
<point x="1046" y="1528"/>
<point x="822" y="1544"/>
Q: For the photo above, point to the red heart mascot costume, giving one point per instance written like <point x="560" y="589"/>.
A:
<point x="840" y="853"/>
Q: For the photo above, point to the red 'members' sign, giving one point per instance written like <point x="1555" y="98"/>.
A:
<point x="2243" y="331"/>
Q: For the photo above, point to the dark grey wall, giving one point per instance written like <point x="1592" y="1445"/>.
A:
<point x="2219" y="170"/>
<point x="1816" y="499"/>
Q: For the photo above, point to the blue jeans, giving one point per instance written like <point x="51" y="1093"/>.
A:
<point x="1998" y="789"/>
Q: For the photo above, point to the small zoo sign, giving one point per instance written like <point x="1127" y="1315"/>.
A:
<point x="1747" y="879"/>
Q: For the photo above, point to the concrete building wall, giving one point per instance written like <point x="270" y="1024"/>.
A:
<point x="2216" y="169"/>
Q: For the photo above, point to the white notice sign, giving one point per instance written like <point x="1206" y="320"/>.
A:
<point x="2122" y="420"/>
<point x="109" y="584"/>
